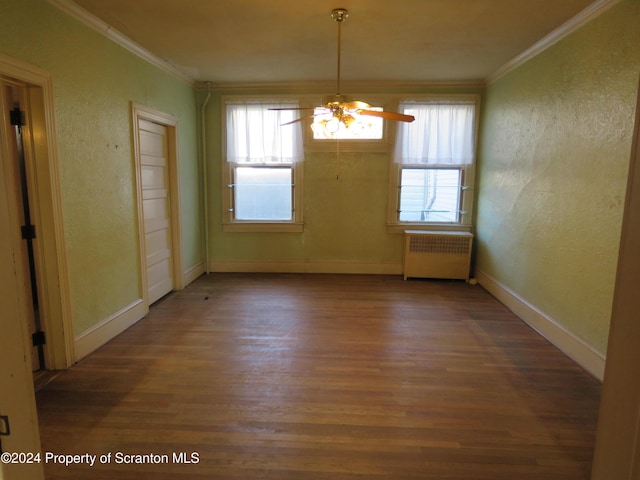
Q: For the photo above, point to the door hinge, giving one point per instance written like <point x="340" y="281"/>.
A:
<point x="5" y="429"/>
<point x="28" y="232"/>
<point x="17" y="117"/>
<point x="38" y="339"/>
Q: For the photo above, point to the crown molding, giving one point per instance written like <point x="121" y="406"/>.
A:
<point x="585" y="16"/>
<point x="582" y="18"/>
<point x="329" y="86"/>
<point x="74" y="10"/>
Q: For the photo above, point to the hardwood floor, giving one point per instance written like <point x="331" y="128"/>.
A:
<point x="329" y="377"/>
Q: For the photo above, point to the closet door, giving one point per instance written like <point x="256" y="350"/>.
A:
<point x="156" y="207"/>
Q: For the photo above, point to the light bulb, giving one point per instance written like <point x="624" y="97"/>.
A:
<point x="332" y="126"/>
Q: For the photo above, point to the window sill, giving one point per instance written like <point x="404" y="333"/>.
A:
<point x="255" y="227"/>
<point x="445" y="227"/>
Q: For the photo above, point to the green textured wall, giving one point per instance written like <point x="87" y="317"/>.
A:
<point x="345" y="219"/>
<point x="95" y="81"/>
<point x="554" y="153"/>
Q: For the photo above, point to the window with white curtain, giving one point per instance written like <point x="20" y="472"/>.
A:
<point x="262" y="171"/>
<point x="433" y="158"/>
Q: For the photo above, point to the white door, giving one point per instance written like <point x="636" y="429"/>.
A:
<point x="16" y="167"/>
<point x="155" y="183"/>
<point x="17" y="399"/>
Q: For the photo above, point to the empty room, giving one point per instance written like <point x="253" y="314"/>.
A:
<point x="301" y="240"/>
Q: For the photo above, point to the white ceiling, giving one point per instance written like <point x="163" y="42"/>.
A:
<point x="285" y="41"/>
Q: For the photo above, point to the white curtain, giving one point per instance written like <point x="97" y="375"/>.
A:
<point x="255" y="134"/>
<point x="442" y="134"/>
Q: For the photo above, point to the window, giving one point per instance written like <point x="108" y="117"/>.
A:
<point x="430" y="194"/>
<point x="359" y="133"/>
<point x="262" y="175"/>
<point x="360" y="127"/>
<point x="433" y="164"/>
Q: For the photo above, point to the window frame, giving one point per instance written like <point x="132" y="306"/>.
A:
<point x="394" y="225"/>
<point x="229" y="222"/>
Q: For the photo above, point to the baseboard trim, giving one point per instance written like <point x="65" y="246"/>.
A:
<point x="99" y="334"/>
<point x="191" y="274"/>
<point x="306" y="267"/>
<point x="574" y="347"/>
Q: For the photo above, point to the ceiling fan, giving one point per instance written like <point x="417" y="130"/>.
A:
<point x="341" y="107"/>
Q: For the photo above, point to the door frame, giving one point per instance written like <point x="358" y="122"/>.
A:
<point x="46" y="205"/>
<point x="617" y="447"/>
<point x="140" y="112"/>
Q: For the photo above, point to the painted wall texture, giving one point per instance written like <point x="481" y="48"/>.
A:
<point x="554" y="151"/>
<point x="345" y="219"/>
<point x="95" y="82"/>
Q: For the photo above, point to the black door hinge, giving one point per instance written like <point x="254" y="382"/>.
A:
<point x="17" y="117"/>
<point x="28" y="232"/>
<point x="38" y="339"/>
<point x="5" y="429"/>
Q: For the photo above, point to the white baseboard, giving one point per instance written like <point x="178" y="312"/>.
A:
<point x="99" y="334"/>
<point x="193" y="273"/>
<point x="574" y="347"/>
<point x="306" y="267"/>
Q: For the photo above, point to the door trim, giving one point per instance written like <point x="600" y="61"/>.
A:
<point x="617" y="448"/>
<point x="140" y="112"/>
<point x="51" y="258"/>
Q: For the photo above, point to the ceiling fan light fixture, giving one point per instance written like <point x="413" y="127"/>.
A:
<point x="332" y="126"/>
<point x="326" y="128"/>
<point x="347" y="119"/>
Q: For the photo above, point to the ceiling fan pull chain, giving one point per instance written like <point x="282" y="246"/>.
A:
<point x="337" y="159"/>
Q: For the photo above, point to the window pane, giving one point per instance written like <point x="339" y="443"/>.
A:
<point x="430" y="195"/>
<point x="263" y="193"/>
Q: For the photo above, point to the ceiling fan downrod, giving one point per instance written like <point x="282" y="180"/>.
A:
<point x="342" y="107"/>
<point x="339" y="15"/>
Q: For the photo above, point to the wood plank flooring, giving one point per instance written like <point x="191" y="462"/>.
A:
<point x="332" y="377"/>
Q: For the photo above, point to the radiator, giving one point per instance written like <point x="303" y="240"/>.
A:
<point x="437" y="254"/>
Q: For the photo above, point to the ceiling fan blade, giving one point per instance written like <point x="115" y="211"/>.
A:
<point x="297" y="120"/>
<point x="292" y="108"/>
<point x="400" y="117"/>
